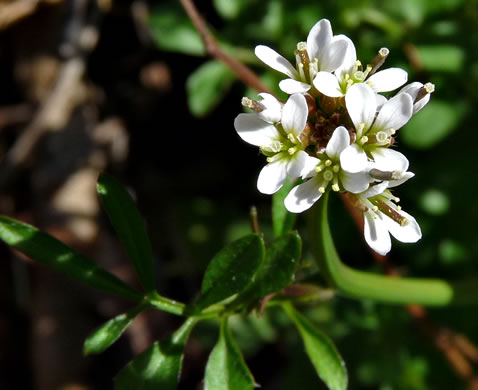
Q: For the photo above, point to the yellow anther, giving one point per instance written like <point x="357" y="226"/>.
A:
<point x="336" y="168"/>
<point x="328" y="163"/>
<point x="396" y="200"/>
<point x="375" y="208"/>
<point x="404" y="222"/>
<point x="364" y="140"/>
<point x="292" y="150"/>
<point x="322" y="190"/>
<point x="318" y="168"/>
<point x="392" y="131"/>
<point x="399" y="208"/>
<point x="336" y="188"/>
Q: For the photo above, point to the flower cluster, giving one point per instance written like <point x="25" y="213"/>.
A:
<point x="336" y="131"/>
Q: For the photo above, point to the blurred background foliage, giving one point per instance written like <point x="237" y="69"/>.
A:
<point x="158" y="113"/>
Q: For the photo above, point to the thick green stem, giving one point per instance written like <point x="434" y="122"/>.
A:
<point x="364" y="285"/>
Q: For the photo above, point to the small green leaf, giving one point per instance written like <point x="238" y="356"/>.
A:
<point x="159" y="366"/>
<point x="207" y="85"/>
<point x="129" y="226"/>
<point x="324" y="356"/>
<point x="229" y="9"/>
<point x="172" y="30"/>
<point x="226" y="369"/>
<point x="231" y="270"/>
<point x="446" y="58"/>
<point x="432" y="124"/>
<point x="48" y="250"/>
<point x="277" y="269"/>
<point x="282" y="220"/>
<point x="104" y="336"/>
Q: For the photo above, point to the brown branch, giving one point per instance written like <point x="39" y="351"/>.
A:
<point x="246" y="75"/>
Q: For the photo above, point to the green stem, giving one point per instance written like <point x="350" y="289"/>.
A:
<point x="364" y="285"/>
<point x="166" y="304"/>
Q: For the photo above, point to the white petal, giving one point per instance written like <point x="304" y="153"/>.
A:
<point x="387" y="80"/>
<point x="374" y="190"/>
<point x="273" y="111"/>
<point x="333" y="56"/>
<point x="294" y="114"/>
<point x="327" y="84"/>
<point x="376" y="234"/>
<point x="389" y="160"/>
<point x="403" y="179"/>
<point x="381" y="100"/>
<point x="296" y="164"/>
<point x="395" y="113"/>
<point x="303" y="196"/>
<point x="272" y="177"/>
<point x="309" y="167"/>
<point x="353" y="159"/>
<point x="355" y="182"/>
<point x="275" y="61"/>
<point x="350" y="57"/>
<point x="291" y="86"/>
<point x="361" y="104"/>
<point x="338" y="142"/>
<point x="252" y="129"/>
<point x="408" y="233"/>
<point x="412" y="89"/>
<point x="319" y="38"/>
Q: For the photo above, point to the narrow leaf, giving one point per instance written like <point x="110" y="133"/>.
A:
<point x="104" y="336"/>
<point x="48" y="250"/>
<point x="231" y="270"/>
<point x="282" y="221"/>
<point x="207" y="85"/>
<point x="129" y="226"/>
<point x="226" y="369"/>
<point x="158" y="367"/>
<point x="327" y="362"/>
<point x="277" y="269"/>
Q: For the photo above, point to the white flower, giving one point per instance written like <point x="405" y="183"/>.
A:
<point x="279" y="142"/>
<point x="374" y="131"/>
<point x="351" y="72"/>
<point x="419" y="93"/>
<point x="324" y="170"/>
<point x="383" y="217"/>
<point x="322" y="52"/>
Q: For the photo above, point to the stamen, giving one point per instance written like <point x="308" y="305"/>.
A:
<point x="363" y="140"/>
<point x="336" y="168"/>
<point x="328" y="163"/>
<point x="319" y="168"/>
<point x="252" y="104"/>
<point x="292" y="150"/>
<point x="378" y="61"/>
<point x="292" y="138"/>
<point x="359" y="130"/>
<point x="276" y="146"/>
<point x="301" y="72"/>
<point x="274" y="158"/>
<point x="424" y="91"/>
<point x="322" y="189"/>
<point x="335" y="186"/>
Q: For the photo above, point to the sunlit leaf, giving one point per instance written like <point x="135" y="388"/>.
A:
<point x="226" y="369"/>
<point x="231" y="270"/>
<point x="129" y="226"/>
<point x="327" y="362"/>
<point x="282" y="220"/>
<point x="207" y="85"/>
<point x="159" y="366"/>
<point x="48" y="250"/>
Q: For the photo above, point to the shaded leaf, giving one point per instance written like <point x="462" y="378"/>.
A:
<point x="231" y="270"/>
<point x="48" y="250"/>
<point x="277" y="269"/>
<point x="448" y="58"/>
<point x="229" y="9"/>
<point x="207" y="85"/>
<point x="129" y="226"/>
<point x="282" y="220"/>
<point x="226" y="369"/>
<point x="327" y="362"/>
<point x="432" y="124"/>
<point x="104" y="336"/>
<point x="172" y="30"/>
<point x="159" y="366"/>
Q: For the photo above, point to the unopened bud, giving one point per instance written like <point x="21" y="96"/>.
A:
<point x="385" y="175"/>
<point x="379" y="59"/>
<point x="252" y="104"/>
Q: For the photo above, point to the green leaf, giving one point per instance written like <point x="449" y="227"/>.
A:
<point x="277" y="269"/>
<point x="48" y="250"/>
<point x="129" y="226"/>
<point x="226" y="369"/>
<point x="207" y="85"/>
<point x="103" y="337"/>
<point x="364" y="285"/>
<point x="327" y="362"/>
<point x="432" y="124"/>
<point x="172" y="30"/>
<point x="231" y="270"/>
<point x="229" y="9"/>
<point x="446" y="58"/>
<point x="282" y="220"/>
<point x="159" y="366"/>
